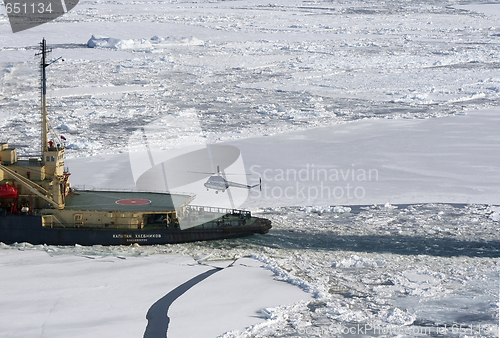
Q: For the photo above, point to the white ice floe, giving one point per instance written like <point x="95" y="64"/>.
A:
<point x="66" y="127"/>
<point x="97" y="41"/>
<point x="397" y="316"/>
<point x="326" y="208"/>
<point x="494" y="213"/>
<point x="95" y="295"/>
<point x="355" y="261"/>
<point x="105" y="42"/>
<point x="83" y="144"/>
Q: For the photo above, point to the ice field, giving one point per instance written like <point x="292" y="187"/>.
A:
<point x="374" y="126"/>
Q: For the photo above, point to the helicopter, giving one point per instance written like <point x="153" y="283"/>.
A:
<point x="219" y="183"/>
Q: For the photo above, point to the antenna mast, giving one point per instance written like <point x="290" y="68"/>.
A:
<point x="43" y="64"/>
<point x="44" y="51"/>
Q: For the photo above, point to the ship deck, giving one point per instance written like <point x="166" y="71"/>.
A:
<point x="126" y="201"/>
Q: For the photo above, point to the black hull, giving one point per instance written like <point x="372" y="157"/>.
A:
<point x="22" y="228"/>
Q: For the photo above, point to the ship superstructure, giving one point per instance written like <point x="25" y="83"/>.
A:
<point x="40" y="181"/>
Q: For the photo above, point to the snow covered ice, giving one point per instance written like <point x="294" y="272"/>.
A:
<point x="407" y="89"/>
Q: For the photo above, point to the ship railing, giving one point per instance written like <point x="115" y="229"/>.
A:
<point x="218" y="210"/>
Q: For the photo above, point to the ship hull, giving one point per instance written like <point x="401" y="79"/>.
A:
<point x="28" y="228"/>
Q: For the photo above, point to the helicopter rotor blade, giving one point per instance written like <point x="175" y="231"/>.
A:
<point x="207" y="173"/>
<point x="201" y="172"/>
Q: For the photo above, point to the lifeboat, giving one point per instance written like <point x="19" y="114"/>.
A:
<point x="7" y="191"/>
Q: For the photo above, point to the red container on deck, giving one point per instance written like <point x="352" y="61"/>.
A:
<point x="7" y="191"/>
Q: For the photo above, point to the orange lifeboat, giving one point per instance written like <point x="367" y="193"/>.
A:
<point x="7" y="191"/>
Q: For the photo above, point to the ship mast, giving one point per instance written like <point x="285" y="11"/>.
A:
<point x="43" y="65"/>
<point x="44" y="51"/>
